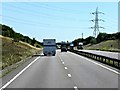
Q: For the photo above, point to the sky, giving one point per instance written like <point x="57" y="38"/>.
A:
<point x="64" y="21"/>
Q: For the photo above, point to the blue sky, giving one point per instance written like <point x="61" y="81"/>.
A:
<point x="64" y="21"/>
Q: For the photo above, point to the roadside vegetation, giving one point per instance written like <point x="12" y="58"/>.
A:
<point x="13" y="52"/>
<point x="104" y="41"/>
<point x="9" y="32"/>
<point x="15" y="48"/>
<point x="109" y="45"/>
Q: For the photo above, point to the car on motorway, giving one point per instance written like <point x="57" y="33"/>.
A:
<point x="64" y="46"/>
<point x="63" y="49"/>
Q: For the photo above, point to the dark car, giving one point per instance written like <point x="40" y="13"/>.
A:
<point x="63" y="49"/>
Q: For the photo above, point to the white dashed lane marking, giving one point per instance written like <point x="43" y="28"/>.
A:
<point x="63" y="62"/>
<point x="66" y="68"/>
<point x="69" y="75"/>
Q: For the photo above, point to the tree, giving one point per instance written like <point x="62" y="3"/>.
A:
<point x="101" y="37"/>
<point x="93" y="41"/>
<point x="117" y="35"/>
<point x="9" y="32"/>
<point x="76" y="41"/>
<point x="89" y="40"/>
<point x="33" y="41"/>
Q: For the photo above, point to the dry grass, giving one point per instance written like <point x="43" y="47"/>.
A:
<point x="110" y="45"/>
<point x="13" y="52"/>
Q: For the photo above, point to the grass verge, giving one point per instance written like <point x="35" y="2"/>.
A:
<point x="14" y="52"/>
<point x="110" y="45"/>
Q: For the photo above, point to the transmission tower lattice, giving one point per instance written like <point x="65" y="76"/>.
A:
<point x="96" y="20"/>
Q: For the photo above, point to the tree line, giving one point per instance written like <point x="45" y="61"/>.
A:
<point x="100" y="38"/>
<point x="9" y="32"/>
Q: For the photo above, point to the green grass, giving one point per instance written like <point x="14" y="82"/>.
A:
<point x="110" y="45"/>
<point x="13" y="52"/>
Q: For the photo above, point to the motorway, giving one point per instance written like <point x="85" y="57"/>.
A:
<point x="65" y="70"/>
<point x="115" y="55"/>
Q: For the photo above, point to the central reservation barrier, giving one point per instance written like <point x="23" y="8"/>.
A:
<point x="103" y="59"/>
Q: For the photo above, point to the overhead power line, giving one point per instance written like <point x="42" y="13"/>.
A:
<point x="41" y="14"/>
<point x="29" y="22"/>
<point x="24" y="20"/>
<point x="55" y="8"/>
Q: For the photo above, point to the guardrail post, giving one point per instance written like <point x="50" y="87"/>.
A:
<point x="110" y="61"/>
<point x="105" y="60"/>
<point x="113" y="63"/>
<point x="118" y="65"/>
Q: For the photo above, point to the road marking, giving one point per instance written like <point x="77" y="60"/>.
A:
<point x="8" y="83"/>
<point x="69" y="75"/>
<point x="65" y="67"/>
<point x="60" y="58"/>
<point x="63" y="63"/>
<point x="75" y="87"/>
<point x="114" y="71"/>
<point x="102" y="66"/>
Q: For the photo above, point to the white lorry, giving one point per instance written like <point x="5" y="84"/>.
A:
<point x="49" y="47"/>
<point x="80" y="45"/>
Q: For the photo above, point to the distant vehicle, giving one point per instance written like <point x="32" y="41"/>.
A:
<point x="80" y="45"/>
<point x="63" y="47"/>
<point x="49" y="47"/>
<point x="71" y="46"/>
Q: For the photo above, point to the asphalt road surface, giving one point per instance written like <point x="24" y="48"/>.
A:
<point x="115" y="55"/>
<point x="65" y="70"/>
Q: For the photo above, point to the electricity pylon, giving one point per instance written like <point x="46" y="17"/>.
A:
<point x="96" y="20"/>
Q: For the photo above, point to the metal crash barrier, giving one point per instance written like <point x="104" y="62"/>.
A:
<point x="103" y="59"/>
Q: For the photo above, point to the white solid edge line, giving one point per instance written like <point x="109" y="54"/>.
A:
<point x="8" y="83"/>
<point x="114" y="71"/>
<point x="103" y="66"/>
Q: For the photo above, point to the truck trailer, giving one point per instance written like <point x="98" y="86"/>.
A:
<point x="49" y="47"/>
